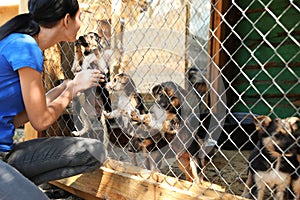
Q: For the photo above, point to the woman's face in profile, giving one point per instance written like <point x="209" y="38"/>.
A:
<point x="74" y="26"/>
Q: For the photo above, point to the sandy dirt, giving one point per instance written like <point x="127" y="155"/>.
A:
<point x="227" y="168"/>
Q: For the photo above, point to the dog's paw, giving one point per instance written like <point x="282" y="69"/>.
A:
<point x="76" y="133"/>
<point x="198" y="180"/>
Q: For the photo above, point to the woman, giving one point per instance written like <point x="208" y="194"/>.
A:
<point x="23" y="99"/>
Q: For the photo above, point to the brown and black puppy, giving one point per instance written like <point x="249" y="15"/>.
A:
<point x="165" y="113"/>
<point x="162" y="121"/>
<point x="174" y="137"/>
<point x="274" y="159"/>
<point x="89" y="105"/>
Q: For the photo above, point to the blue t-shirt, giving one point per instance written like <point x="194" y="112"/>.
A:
<point x="16" y="51"/>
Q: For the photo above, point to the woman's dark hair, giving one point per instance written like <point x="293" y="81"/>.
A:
<point x="44" y="13"/>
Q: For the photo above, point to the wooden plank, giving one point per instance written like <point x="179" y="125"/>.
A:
<point x="214" y="52"/>
<point x="30" y="133"/>
<point x="74" y="191"/>
<point x="296" y="103"/>
<point x="117" y="180"/>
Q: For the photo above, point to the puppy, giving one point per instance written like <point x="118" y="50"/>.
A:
<point x="128" y="99"/>
<point x="164" y="114"/>
<point x="89" y="105"/>
<point x="274" y="159"/>
<point x="91" y="57"/>
<point x="123" y="88"/>
<point x="174" y="134"/>
<point x="163" y="121"/>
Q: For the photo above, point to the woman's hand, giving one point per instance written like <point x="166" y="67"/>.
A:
<point x="86" y="79"/>
<point x="43" y="111"/>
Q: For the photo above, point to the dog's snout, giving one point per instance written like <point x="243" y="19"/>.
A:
<point x="84" y="44"/>
<point x="82" y="41"/>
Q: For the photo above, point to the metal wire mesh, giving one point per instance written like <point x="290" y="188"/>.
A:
<point x="230" y="61"/>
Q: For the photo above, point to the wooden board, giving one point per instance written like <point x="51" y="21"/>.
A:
<point x="117" y="180"/>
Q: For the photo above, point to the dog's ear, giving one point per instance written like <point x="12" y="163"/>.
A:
<point x="156" y="90"/>
<point x="170" y="92"/>
<point x="175" y="102"/>
<point x="262" y="122"/>
<point x="293" y="121"/>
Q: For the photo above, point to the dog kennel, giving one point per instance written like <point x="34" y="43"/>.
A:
<point x="247" y="54"/>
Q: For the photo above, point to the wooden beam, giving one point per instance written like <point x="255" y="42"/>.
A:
<point x="214" y="74"/>
<point x="30" y="133"/>
<point x="116" y="40"/>
<point x="118" y="180"/>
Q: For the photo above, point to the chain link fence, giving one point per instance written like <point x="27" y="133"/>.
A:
<point x="228" y="62"/>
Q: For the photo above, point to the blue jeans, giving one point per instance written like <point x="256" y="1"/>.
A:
<point x="46" y="159"/>
<point x="14" y="186"/>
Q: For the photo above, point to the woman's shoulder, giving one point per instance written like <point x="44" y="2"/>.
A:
<point x="19" y="39"/>
<point x="21" y="50"/>
<point x="19" y="42"/>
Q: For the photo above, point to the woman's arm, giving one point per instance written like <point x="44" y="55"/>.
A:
<point x="42" y="112"/>
<point x="21" y="118"/>
<point x="56" y="91"/>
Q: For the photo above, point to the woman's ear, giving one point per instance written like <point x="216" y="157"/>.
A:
<point x="66" y="20"/>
